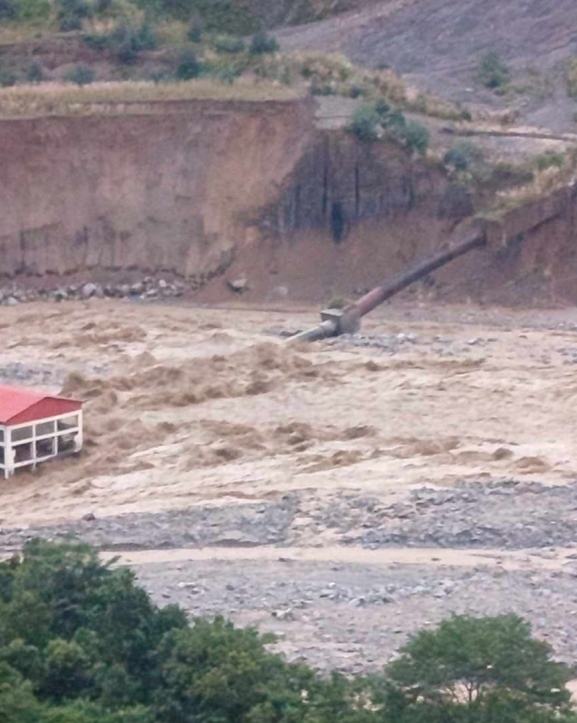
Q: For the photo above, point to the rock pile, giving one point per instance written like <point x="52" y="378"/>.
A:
<point x="146" y="289"/>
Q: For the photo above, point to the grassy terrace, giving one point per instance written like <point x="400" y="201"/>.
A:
<point x="125" y="97"/>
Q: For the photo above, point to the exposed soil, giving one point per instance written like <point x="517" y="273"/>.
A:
<point x="343" y="494"/>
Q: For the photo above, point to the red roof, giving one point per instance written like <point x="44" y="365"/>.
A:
<point x="18" y="405"/>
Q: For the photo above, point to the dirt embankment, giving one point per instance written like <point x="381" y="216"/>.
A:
<point x="251" y="191"/>
<point x="351" y="215"/>
<point x="158" y="191"/>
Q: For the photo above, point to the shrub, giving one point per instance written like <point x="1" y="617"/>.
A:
<point x="71" y="13"/>
<point x="145" y="38"/>
<point x="371" y="118"/>
<point x="550" y="159"/>
<point x="322" y="88"/>
<point x="34" y="10"/>
<point x="462" y="155"/>
<point x="7" y="79"/>
<point x="571" y="77"/>
<point x="225" y="73"/>
<point x="366" y="123"/>
<point x="218" y="16"/>
<point x="228" y="44"/>
<point x="189" y="66"/>
<point x="35" y="74"/>
<point x="415" y="137"/>
<point x="8" y="10"/>
<point x="80" y="74"/>
<point x="356" y="91"/>
<point x="98" y="41"/>
<point x="130" y="41"/>
<point x="262" y="43"/>
<point x="195" y="30"/>
<point x="493" y="73"/>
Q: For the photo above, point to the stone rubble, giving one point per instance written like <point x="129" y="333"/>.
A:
<point x="148" y="288"/>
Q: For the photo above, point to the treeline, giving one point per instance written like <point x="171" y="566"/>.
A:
<point x="80" y="642"/>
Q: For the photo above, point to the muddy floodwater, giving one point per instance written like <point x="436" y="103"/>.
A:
<point x="342" y="494"/>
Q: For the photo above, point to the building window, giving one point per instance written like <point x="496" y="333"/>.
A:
<point x="43" y="428"/>
<point x="68" y="423"/>
<point x="22" y="452"/>
<point x="45" y="448"/>
<point x="66" y="443"/>
<point x="22" y="433"/>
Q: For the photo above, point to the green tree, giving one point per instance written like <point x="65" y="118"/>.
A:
<point x="477" y="669"/>
<point x="415" y="136"/>
<point x="67" y="673"/>
<point x="75" y="626"/>
<point x="366" y="123"/>
<point x="493" y="73"/>
<point x="189" y="66"/>
<point x="8" y="10"/>
<point x="17" y="701"/>
<point x="462" y="155"/>
<point x="80" y="75"/>
<point x="35" y="74"/>
<point x="262" y="43"/>
<point x="226" y="674"/>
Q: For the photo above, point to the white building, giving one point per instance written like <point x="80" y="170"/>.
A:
<point x="35" y="427"/>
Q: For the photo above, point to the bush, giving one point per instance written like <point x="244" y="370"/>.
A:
<point x="366" y="123"/>
<point x="462" y="155"/>
<point x="80" y="74"/>
<point x="33" y="10"/>
<point x="130" y="41"/>
<point x="230" y="17"/>
<point x="35" y="74"/>
<point x="71" y="13"/>
<point x="322" y="88"/>
<point x="189" y="66"/>
<point x="493" y="73"/>
<point x="262" y="43"/>
<point x="371" y="120"/>
<point x="571" y="78"/>
<point x="195" y="31"/>
<point x="98" y="41"/>
<point x="550" y="159"/>
<point x="415" y="137"/>
<point x="7" y="79"/>
<point x="8" y="10"/>
<point x="228" y="44"/>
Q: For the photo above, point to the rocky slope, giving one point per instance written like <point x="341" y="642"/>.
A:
<point x="439" y="44"/>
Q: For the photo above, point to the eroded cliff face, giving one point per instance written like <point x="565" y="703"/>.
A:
<point x="348" y="216"/>
<point x="162" y="189"/>
<point x="231" y="190"/>
<point x="353" y="215"/>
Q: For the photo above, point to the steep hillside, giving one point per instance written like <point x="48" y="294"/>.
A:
<point x="439" y="44"/>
